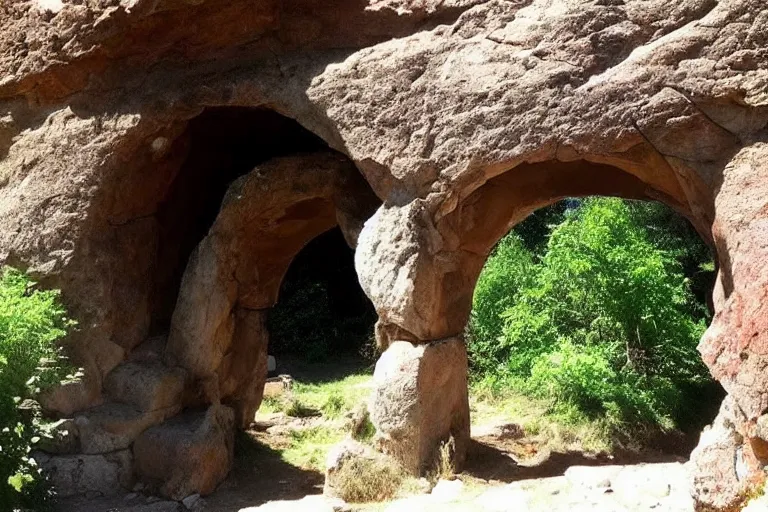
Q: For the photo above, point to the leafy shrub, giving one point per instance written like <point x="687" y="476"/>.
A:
<point x="31" y="322"/>
<point x="604" y="321"/>
<point x="508" y="270"/>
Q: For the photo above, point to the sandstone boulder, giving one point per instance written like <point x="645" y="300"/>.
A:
<point x="420" y="401"/>
<point x="146" y="386"/>
<point x="190" y="453"/>
<point x="115" y="426"/>
<point x="719" y="478"/>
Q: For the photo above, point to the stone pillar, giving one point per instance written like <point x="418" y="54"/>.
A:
<point x="243" y="370"/>
<point x="420" y="401"/>
<point x="732" y="453"/>
<point x="421" y="284"/>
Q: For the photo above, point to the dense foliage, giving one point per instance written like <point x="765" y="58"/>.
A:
<point x="31" y="322"/>
<point x="601" y="320"/>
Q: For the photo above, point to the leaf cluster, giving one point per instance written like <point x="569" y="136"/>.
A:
<point x="603" y="319"/>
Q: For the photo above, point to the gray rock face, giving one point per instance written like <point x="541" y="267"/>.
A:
<point x="106" y="475"/>
<point x="463" y="117"/>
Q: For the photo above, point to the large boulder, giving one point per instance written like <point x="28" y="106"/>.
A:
<point x="420" y="401"/>
<point x="190" y="453"/>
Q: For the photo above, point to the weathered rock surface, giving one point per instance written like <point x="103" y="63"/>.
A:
<point x="420" y="401"/>
<point x="463" y="116"/>
<point x="720" y="482"/>
<point x="105" y="475"/>
<point x="188" y="454"/>
<point x="115" y="426"/>
<point x="644" y="487"/>
<point x="148" y="387"/>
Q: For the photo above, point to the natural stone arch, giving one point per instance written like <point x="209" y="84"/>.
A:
<point x="92" y="97"/>
<point x="443" y="255"/>
<point x="218" y="331"/>
<point x="125" y="412"/>
<point x="422" y="267"/>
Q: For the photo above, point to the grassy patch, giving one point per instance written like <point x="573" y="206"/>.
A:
<point x="558" y="429"/>
<point x="334" y="398"/>
<point x="324" y="404"/>
<point x="308" y="448"/>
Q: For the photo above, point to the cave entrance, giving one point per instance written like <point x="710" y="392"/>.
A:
<point x="221" y="144"/>
<point x="322" y="317"/>
<point x="255" y="188"/>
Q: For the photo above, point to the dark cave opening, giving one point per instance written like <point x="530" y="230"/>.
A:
<point x="222" y="143"/>
<point x="322" y="311"/>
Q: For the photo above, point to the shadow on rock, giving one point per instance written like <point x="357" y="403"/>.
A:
<point x="490" y="462"/>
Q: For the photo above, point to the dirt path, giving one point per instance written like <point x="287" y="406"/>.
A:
<point x="505" y="470"/>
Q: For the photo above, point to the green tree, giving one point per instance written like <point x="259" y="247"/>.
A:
<point x="601" y="323"/>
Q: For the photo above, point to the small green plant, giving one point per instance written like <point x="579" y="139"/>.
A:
<point x="334" y="405"/>
<point x="364" y="431"/>
<point x="444" y="467"/>
<point x="31" y="324"/>
<point x="271" y="404"/>
<point x="298" y="409"/>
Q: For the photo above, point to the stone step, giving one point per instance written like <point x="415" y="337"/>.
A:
<point x="115" y="426"/>
<point x="188" y="454"/>
<point x="103" y="429"/>
<point x="149" y="351"/>
<point x="149" y="386"/>
<point x="106" y="475"/>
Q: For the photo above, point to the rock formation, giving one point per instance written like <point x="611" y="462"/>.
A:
<point x="123" y="123"/>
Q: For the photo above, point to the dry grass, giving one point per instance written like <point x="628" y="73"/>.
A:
<point x="363" y="480"/>
<point x="444" y="467"/>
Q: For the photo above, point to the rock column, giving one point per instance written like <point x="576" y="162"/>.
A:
<point x="732" y="453"/>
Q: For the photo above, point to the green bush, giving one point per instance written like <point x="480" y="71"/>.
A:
<point x="604" y="321"/>
<point x="31" y="323"/>
<point x="509" y="269"/>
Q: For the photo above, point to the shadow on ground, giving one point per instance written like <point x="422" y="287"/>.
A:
<point x="334" y="370"/>
<point x="260" y="475"/>
<point x="489" y="462"/>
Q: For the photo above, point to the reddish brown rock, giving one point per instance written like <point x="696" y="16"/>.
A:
<point x="188" y="454"/>
<point x="123" y="123"/>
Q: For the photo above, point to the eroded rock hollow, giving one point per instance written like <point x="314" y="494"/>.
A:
<point x="162" y="162"/>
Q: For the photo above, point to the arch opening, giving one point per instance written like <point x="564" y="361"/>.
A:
<point x="445" y="282"/>
<point x="322" y="314"/>
<point x="589" y="311"/>
<point x="221" y="145"/>
<point x="208" y="228"/>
